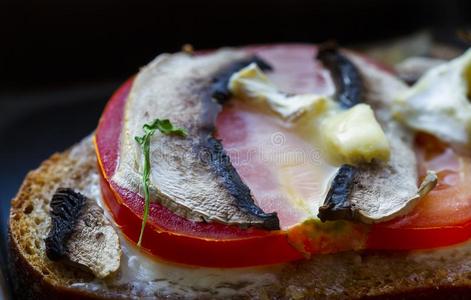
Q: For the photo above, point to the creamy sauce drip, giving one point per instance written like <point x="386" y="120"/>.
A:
<point x="148" y="277"/>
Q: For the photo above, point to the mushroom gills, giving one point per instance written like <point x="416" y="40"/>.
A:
<point x="66" y="207"/>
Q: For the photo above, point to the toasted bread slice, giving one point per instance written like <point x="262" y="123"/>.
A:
<point x="440" y="273"/>
<point x="32" y="272"/>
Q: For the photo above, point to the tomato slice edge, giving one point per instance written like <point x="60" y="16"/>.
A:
<point x="380" y="236"/>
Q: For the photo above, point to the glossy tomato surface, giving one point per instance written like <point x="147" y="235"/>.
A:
<point x="169" y="236"/>
<point x="213" y="244"/>
<point x="442" y="218"/>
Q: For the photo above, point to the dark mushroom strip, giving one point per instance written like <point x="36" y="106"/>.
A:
<point x="221" y="163"/>
<point x="191" y="176"/>
<point x="380" y="191"/>
<point x="80" y="234"/>
<point x="66" y="206"/>
<point x="220" y="89"/>
<point x="348" y="93"/>
<point x="348" y="82"/>
<point x="337" y="203"/>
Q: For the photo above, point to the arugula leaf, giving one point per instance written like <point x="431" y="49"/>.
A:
<point x="167" y="128"/>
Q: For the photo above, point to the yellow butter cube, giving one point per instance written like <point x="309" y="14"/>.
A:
<point x="354" y="136"/>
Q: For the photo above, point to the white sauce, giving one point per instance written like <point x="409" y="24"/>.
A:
<point x="146" y="277"/>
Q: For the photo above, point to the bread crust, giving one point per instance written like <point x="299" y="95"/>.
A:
<point x="436" y="274"/>
<point x="30" y="278"/>
<point x="39" y="280"/>
<point x="28" y="283"/>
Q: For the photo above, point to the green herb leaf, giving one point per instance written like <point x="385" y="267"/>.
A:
<point x="167" y="128"/>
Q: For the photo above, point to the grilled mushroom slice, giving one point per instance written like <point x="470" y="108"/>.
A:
<point x="81" y="235"/>
<point x="348" y="81"/>
<point x="192" y="176"/>
<point x="349" y="89"/>
<point x="378" y="191"/>
<point x="337" y="204"/>
<point x="66" y="207"/>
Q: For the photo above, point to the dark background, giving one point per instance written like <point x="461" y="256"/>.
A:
<point x="47" y="43"/>
<point x="61" y="60"/>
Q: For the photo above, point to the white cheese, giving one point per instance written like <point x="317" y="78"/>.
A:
<point x="439" y="102"/>
<point x="150" y="277"/>
<point x="354" y="136"/>
<point x="251" y="84"/>
<point x="347" y="136"/>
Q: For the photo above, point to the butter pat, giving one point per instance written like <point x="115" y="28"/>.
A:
<point x="354" y="136"/>
<point x="439" y="102"/>
<point x="348" y="136"/>
<point x="251" y="84"/>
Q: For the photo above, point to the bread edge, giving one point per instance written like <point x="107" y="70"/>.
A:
<point x="29" y="283"/>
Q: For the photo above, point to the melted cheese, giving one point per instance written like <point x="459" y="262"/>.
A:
<point x="439" y="102"/>
<point x="146" y="277"/>
<point x="350" y="136"/>
<point x="354" y="136"/>
<point x="253" y="85"/>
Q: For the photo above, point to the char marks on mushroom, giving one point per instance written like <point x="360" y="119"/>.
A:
<point x="347" y="78"/>
<point x="66" y="207"/>
<point x="219" y="88"/>
<point x="229" y="177"/>
<point x="187" y="175"/>
<point x="377" y="191"/>
<point x="337" y="204"/>
<point x="81" y="235"/>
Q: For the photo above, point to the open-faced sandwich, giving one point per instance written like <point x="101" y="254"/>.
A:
<point x="284" y="171"/>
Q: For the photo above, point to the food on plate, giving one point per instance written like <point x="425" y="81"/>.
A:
<point x="81" y="234"/>
<point x="439" y="103"/>
<point x="256" y="172"/>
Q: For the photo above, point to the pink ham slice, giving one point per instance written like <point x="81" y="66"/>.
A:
<point x="283" y="169"/>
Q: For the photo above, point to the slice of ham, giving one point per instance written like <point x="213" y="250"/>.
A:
<point x="282" y="168"/>
<point x="380" y="191"/>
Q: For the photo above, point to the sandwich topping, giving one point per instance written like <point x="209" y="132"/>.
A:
<point x="347" y="136"/>
<point x="378" y="190"/>
<point x="81" y="235"/>
<point x="439" y="103"/>
<point x="191" y="176"/>
<point x="165" y="127"/>
<point x="296" y="148"/>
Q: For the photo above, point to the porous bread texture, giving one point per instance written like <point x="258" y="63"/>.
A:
<point x="437" y="274"/>
<point x="432" y="274"/>
<point x="29" y="215"/>
<point x="445" y="272"/>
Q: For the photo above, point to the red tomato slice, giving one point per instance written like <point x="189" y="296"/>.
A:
<point x="173" y="238"/>
<point x="442" y="217"/>
<point x="169" y="236"/>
